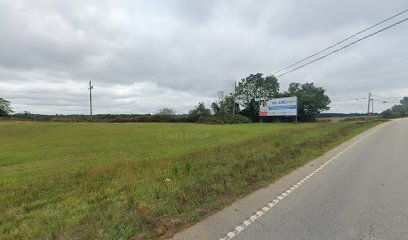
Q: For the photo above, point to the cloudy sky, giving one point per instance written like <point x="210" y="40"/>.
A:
<point x="145" y="55"/>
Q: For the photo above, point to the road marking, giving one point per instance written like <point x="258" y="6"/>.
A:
<point x="247" y="222"/>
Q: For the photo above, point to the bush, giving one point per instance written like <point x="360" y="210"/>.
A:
<point x="200" y="111"/>
<point x="78" y="118"/>
<point x="224" y="119"/>
<point x="152" y="118"/>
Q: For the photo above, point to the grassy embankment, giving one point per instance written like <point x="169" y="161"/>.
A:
<point x="108" y="181"/>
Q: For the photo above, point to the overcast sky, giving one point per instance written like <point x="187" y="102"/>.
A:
<point x="145" y="55"/>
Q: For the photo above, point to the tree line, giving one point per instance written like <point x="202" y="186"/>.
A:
<point x="397" y="111"/>
<point x="240" y="106"/>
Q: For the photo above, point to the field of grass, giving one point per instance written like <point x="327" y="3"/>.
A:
<point x="141" y="181"/>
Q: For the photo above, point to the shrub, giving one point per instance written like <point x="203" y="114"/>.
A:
<point x="152" y="118"/>
<point x="224" y="119"/>
<point x="199" y="111"/>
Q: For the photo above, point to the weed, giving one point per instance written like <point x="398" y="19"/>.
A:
<point x="175" y="170"/>
<point x="188" y="168"/>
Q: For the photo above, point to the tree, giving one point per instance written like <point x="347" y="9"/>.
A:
<point x="252" y="110"/>
<point x="166" y="112"/>
<point x="225" y="104"/>
<point x="404" y="101"/>
<point x="199" y="111"/>
<point x="256" y="86"/>
<point x="253" y="88"/>
<point x="5" y="108"/>
<point x="312" y="100"/>
<point x="396" y="111"/>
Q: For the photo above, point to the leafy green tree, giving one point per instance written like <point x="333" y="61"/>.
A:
<point x="404" y="101"/>
<point x="225" y="104"/>
<point x="399" y="111"/>
<point x="199" y="111"/>
<point x="252" y="110"/>
<point x="166" y="112"/>
<point x="396" y="111"/>
<point x="256" y="86"/>
<point x="312" y="100"/>
<point x="387" y="113"/>
<point x="253" y="88"/>
<point x="5" y="108"/>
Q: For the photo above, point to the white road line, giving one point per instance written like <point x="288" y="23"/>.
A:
<point x="245" y="224"/>
<point x="239" y="229"/>
<point x="230" y="235"/>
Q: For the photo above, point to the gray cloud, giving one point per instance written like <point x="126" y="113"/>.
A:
<point x="144" y="55"/>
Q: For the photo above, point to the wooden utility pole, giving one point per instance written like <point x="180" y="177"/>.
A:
<point x="368" y="108"/>
<point x="90" y="97"/>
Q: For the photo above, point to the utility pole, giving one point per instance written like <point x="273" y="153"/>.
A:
<point x="372" y="106"/>
<point x="90" y="97"/>
<point x="368" y="108"/>
<point x="235" y="92"/>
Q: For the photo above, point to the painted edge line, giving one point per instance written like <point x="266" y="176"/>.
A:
<point x="247" y="222"/>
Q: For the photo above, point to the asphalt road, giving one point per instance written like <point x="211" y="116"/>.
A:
<point x="362" y="193"/>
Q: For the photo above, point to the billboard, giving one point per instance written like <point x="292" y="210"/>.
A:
<point x="278" y="107"/>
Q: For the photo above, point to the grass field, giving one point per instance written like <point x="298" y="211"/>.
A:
<point x="141" y="181"/>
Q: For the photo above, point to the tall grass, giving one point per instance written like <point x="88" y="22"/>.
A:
<point x="143" y="181"/>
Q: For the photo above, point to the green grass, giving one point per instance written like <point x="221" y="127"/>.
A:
<point x="108" y="181"/>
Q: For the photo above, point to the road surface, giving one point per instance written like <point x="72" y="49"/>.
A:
<point x="360" y="192"/>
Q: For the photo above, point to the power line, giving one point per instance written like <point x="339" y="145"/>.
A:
<point x="380" y="99"/>
<point x="347" y="100"/>
<point x="391" y="98"/>
<point x="383" y="101"/>
<point x="346" y="46"/>
<point x="342" y="41"/>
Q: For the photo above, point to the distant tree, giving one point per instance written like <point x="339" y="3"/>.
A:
<point x="312" y="100"/>
<point x="387" y="113"/>
<point x="396" y="111"/>
<point x="199" y="111"/>
<point x="404" y="101"/>
<point x="399" y="111"/>
<point x="5" y="108"/>
<point x="225" y="104"/>
<point x="253" y="88"/>
<point x="166" y="112"/>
